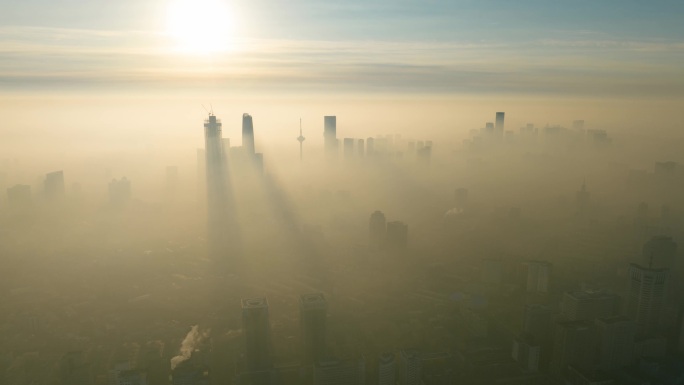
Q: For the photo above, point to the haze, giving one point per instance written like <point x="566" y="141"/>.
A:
<point x="323" y="193"/>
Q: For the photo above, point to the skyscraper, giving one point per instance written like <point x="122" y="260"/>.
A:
<point x="348" y="148"/>
<point x="313" y="309"/>
<point x="616" y="341"/>
<point x="330" y="135"/>
<point x="248" y="135"/>
<point x="499" y="129"/>
<point x="409" y="367"/>
<point x="257" y="332"/>
<point x="574" y="344"/>
<point x="377" y="230"/>
<point x="387" y="371"/>
<point x="215" y="175"/>
<point x="54" y="185"/>
<point x="646" y="297"/>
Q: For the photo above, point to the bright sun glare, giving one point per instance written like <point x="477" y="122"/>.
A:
<point x="201" y="26"/>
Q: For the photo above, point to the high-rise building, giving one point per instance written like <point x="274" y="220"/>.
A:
<point x="119" y="191"/>
<point x="313" y="309"/>
<point x="647" y="288"/>
<point x="257" y="332"/>
<point x="74" y="370"/>
<point x="330" y="135"/>
<point x="397" y="235"/>
<point x="589" y="305"/>
<point x="215" y="175"/>
<point x="538" y="274"/>
<point x="582" y="200"/>
<point x="360" y="149"/>
<point x="499" y="129"/>
<point x="526" y="352"/>
<point x="340" y="372"/>
<point x="574" y="343"/>
<point x="377" y="230"/>
<point x="387" y="369"/>
<point x="348" y="148"/>
<point x="409" y="368"/>
<point x="54" y="185"/>
<point x="616" y="341"/>
<point x="538" y="322"/>
<point x="370" y="147"/>
<point x="248" y="134"/>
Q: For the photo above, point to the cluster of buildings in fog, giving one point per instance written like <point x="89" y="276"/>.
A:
<point x="583" y="290"/>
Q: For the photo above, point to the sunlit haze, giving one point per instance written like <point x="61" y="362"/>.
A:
<point x="359" y="192"/>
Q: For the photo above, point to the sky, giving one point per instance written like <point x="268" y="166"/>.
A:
<point x="580" y="48"/>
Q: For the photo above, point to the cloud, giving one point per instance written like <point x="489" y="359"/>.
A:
<point x="53" y="58"/>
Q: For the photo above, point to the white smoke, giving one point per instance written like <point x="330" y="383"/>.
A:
<point x="189" y="345"/>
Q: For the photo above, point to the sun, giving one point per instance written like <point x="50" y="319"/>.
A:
<point x="201" y="26"/>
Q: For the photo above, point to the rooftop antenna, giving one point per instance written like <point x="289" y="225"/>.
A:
<point x="205" y="109"/>
<point x="212" y="108"/>
<point x="301" y="140"/>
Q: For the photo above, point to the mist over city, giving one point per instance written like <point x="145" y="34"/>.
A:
<point x="394" y="193"/>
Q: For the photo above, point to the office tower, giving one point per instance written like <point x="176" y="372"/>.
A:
<point x="646" y="297"/>
<point x="538" y="274"/>
<point x="301" y="140"/>
<point x="215" y="175"/>
<point x="499" y="129"/>
<point x="660" y="252"/>
<point x="589" y="305"/>
<point x="377" y="230"/>
<point x="489" y="128"/>
<point x="370" y="146"/>
<point x="313" y="309"/>
<point x="397" y="235"/>
<point x="387" y="369"/>
<point x="616" y="341"/>
<point x="330" y="136"/>
<point x="360" y="148"/>
<point x="257" y="332"/>
<point x="248" y="135"/>
<point x="348" y="148"/>
<point x="424" y="154"/>
<point x="54" y="185"/>
<point x="409" y="368"/>
<point x="574" y="343"/>
<point x="526" y="352"/>
<point x="340" y="372"/>
<point x="119" y="191"/>
<point x="19" y="196"/>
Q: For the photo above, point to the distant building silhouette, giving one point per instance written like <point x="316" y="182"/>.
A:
<point x="526" y="351"/>
<point x="301" y="140"/>
<point x="340" y="372"/>
<point x="248" y="134"/>
<point x="330" y="136"/>
<point x="397" y="235"/>
<point x="616" y="341"/>
<point x="257" y="332"/>
<point x="348" y="148"/>
<point x="360" y="149"/>
<point x="377" y="230"/>
<point x="218" y="232"/>
<point x="119" y="191"/>
<point x="500" y="124"/>
<point x="588" y="305"/>
<point x="387" y="369"/>
<point x="313" y="310"/>
<point x="54" y="185"/>
<point x="370" y="147"/>
<point x="574" y="344"/>
<point x="646" y="299"/>
<point x="74" y="370"/>
<point x="582" y="199"/>
<point x="409" y="367"/>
